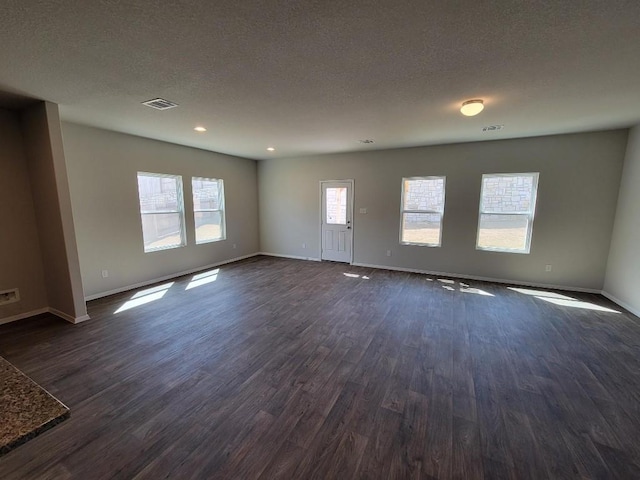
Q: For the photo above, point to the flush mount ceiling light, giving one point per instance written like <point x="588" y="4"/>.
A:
<point x="472" y="107"/>
<point x="271" y="149"/>
<point x="200" y="129"/>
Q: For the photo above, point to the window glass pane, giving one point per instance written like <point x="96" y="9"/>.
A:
<point x="336" y="206"/>
<point x="161" y="230"/>
<point x="208" y="226"/>
<point x="507" y="194"/>
<point x="158" y="194"/>
<point x="206" y="194"/>
<point x="424" y="194"/>
<point x="421" y="228"/>
<point x="505" y="232"/>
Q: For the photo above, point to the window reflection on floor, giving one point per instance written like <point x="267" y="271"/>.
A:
<point x="203" y="278"/>
<point x="562" y="300"/>
<point x="145" y="296"/>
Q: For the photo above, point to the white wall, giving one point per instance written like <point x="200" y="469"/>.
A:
<point x="102" y="174"/>
<point x="578" y="189"/>
<point x="50" y="190"/>
<point x="20" y="257"/>
<point x="623" y="270"/>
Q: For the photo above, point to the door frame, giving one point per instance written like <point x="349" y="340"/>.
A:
<point x="349" y="213"/>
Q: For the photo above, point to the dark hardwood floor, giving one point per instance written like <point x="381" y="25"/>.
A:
<point x="286" y="369"/>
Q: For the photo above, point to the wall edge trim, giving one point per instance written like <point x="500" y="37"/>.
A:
<point x="166" y="277"/>
<point x="482" y="279"/>
<point x="292" y="257"/>
<point x="619" y="302"/>
<point x="22" y="316"/>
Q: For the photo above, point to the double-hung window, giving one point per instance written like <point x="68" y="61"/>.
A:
<point x="208" y="209"/>
<point x="161" y="211"/>
<point x="422" y="211"/>
<point x="507" y="207"/>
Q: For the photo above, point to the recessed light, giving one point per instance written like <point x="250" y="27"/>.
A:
<point x="271" y="149"/>
<point x="200" y="129"/>
<point x="472" y="107"/>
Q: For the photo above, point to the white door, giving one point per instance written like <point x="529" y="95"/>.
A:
<point x="337" y="213"/>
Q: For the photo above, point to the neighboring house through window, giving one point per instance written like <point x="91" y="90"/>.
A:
<point x="161" y="211"/>
<point x="507" y="207"/>
<point x="422" y="211"/>
<point x="208" y="209"/>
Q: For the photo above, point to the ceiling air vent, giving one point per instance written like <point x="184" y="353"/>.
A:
<point x="160" y="104"/>
<point x="366" y="140"/>
<point x="492" y="128"/>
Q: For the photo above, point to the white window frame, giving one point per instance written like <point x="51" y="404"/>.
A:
<point x="436" y="212"/>
<point x="179" y="211"/>
<point x="528" y="215"/>
<point x="221" y="203"/>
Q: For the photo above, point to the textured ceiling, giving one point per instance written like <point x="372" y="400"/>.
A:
<point x="317" y="76"/>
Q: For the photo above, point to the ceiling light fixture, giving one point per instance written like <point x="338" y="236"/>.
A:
<point x="271" y="149"/>
<point x="200" y="129"/>
<point x="472" y="107"/>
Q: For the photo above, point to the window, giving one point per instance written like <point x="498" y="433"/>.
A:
<point x="422" y="211"/>
<point x="507" y="206"/>
<point x="336" y="205"/>
<point x="208" y="209"/>
<point x="161" y="211"/>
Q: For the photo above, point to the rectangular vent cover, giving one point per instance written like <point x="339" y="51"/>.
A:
<point x="9" y="296"/>
<point x="492" y="128"/>
<point x="160" y="104"/>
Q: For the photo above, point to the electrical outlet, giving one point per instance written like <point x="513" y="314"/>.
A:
<point x="105" y="273"/>
<point x="388" y="253"/>
<point x="234" y="245"/>
<point x="547" y="268"/>
<point x="363" y="211"/>
<point x="304" y="245"/>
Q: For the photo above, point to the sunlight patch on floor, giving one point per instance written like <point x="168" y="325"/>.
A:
<point x="203" y="278"/>
<point x="539" y="293"/>
<point x="145" y="296"/>
<point x="355" y="275"/>
<point x="475" y="291"/>
<point x="561" y="300"/>
<point x="577" y="304"/>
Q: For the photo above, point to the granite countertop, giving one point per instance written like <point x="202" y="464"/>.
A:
<point x="26" y="409"/>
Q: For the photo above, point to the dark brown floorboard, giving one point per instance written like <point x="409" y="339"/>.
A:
<point x="282" y="369"/>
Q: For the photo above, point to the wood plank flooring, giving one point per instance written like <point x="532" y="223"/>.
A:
<point x="284" y="369"/>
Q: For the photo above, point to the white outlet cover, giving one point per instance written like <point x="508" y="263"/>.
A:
<point x="363" y="211"/>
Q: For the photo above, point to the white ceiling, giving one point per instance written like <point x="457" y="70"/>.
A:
<point x="313" y="76"/>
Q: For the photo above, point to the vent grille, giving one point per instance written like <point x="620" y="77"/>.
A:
<point x="160" y="104"/>
<point x="366" y="140"/>
<point x="492" y="128"/>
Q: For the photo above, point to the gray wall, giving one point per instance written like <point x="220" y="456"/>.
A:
<point x="104" y="195"/>
<point x="50" y="189"/>
<point x="578" y="190"/>
<point x="623" y="270"/>
<point x="20" y="258"/>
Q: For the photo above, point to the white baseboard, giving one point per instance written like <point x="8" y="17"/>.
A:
<point x="40" y="311"/>
<point x="21" y="316"/>
<point x="166" y="277"/>
<point x="67" y="317"/>
<point x="293" y="257"/>
<point x="624" y="305"/>
<point x="483" y="279"/>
